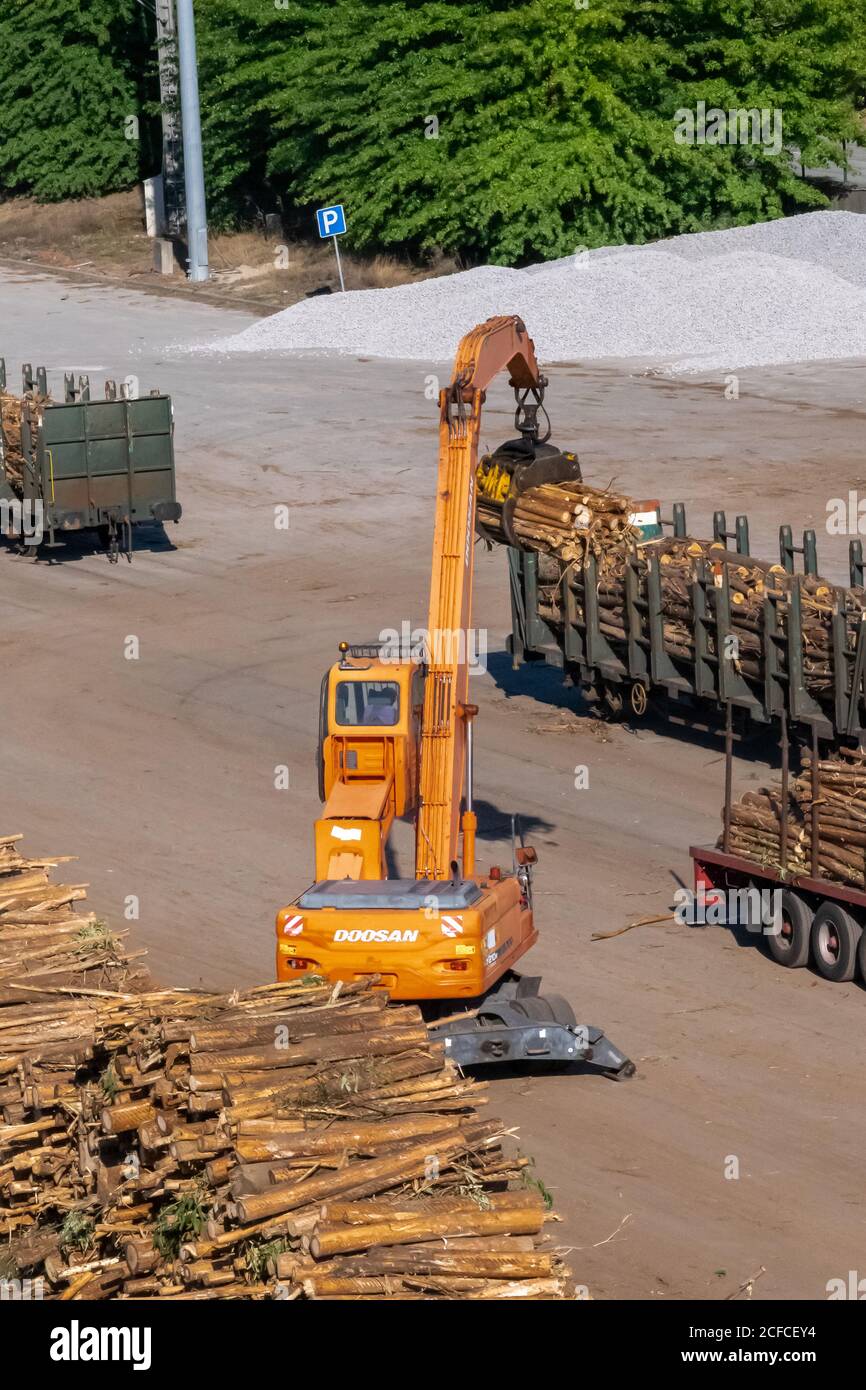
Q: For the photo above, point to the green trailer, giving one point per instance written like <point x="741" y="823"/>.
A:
<point x="102" y="465"/>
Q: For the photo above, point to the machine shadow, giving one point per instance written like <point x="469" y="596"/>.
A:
<point x="495" y="824"/>
<point x="83" y="545"/>
<point x="527" y="1070"/>
<point x="664" y="718"/>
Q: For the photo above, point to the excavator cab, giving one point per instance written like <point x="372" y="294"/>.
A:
<point x="369" y="741"/>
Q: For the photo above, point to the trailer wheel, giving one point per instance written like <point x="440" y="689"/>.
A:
<point x="835" y="939"/>
<point x="638" y="699"/>
<point x="861" y="957"/>
<point x="790" y="946"/>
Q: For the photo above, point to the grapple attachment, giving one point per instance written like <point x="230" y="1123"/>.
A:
<point x="511" y="470"/>
<point x="515" y="467"/>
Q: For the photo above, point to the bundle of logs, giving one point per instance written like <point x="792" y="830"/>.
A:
<point x="12" y="410"/>
<point x="298" y="1140"/>
<point x="571" y="519"/>
<point x="566" y="522"/>
<point x="750" y="581"/>
<point x="48" y="945"/>
<point x="825" y="825"/>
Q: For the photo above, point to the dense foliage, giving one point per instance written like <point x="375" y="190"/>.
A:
<point x="496" y="129"/>
<point x="71" y="88"/>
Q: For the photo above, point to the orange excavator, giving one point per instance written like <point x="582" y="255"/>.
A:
<point x="396" y="739"/>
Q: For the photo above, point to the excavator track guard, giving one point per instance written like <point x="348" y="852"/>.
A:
<point x="515" y="1024"/>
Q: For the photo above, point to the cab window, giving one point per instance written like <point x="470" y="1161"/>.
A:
<point x="364" y="703"/>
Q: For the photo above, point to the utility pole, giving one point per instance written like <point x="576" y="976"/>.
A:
<point x="196" y="211"/>
<point x="172" y="146"/>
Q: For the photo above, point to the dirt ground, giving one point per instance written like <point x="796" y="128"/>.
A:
<point x="159" y="772"/>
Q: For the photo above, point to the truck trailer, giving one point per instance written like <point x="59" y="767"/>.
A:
<point x="81" y="464"/>
<point x="818" y="917"/>
<point x="558" y="618"/>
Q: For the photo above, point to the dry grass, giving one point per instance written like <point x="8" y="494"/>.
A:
<point x="106" y="236"/>
<point x="286" y="272"/>
<point x="68" y="228"/>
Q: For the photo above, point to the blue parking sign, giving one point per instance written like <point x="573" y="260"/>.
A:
<point x="332" y="220"/>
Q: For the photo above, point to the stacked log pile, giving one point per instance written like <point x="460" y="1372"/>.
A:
<point x="750" y="582"/>
<point x="298" y="1140"/>
<point x="11" y="415"/>
<point x="566" y="522"/>
<point x="840" y="812"/>
<point x="48" y="945"/>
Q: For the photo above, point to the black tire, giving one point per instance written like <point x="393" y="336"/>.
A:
<point x="861" y="957"/>
<point x="790" y="947"/>
<point x="560" y="1010"/>
<point x="548" y="1008"/>
<point x="835" y="939"/>
<point x="545" y="1008"/>
<point x="534" y="1007"/>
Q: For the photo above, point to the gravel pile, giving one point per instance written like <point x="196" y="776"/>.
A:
<point x="786" y="291"/>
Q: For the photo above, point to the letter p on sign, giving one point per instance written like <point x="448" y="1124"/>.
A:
<point x="332" y="221"/>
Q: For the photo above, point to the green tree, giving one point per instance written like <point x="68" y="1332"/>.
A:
<point x="555" y="122"/>
<point x="497" y="129"/>
<point x="805" y="59"/>
<point x="245" y="53"/>
<point x="72" y="74"/>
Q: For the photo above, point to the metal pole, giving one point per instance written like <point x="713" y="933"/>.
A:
<point x="339" y="265"/>
<point x="855" y="563"/>
<point x="470" y="765"/>
<point x="729" y="775"/>
<point x="196" y="211"/>
<point x="816" y="791"/>
<point x="783" y="825"/>
<point x="172" y="153"/>
<point x="469" y="820"/>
